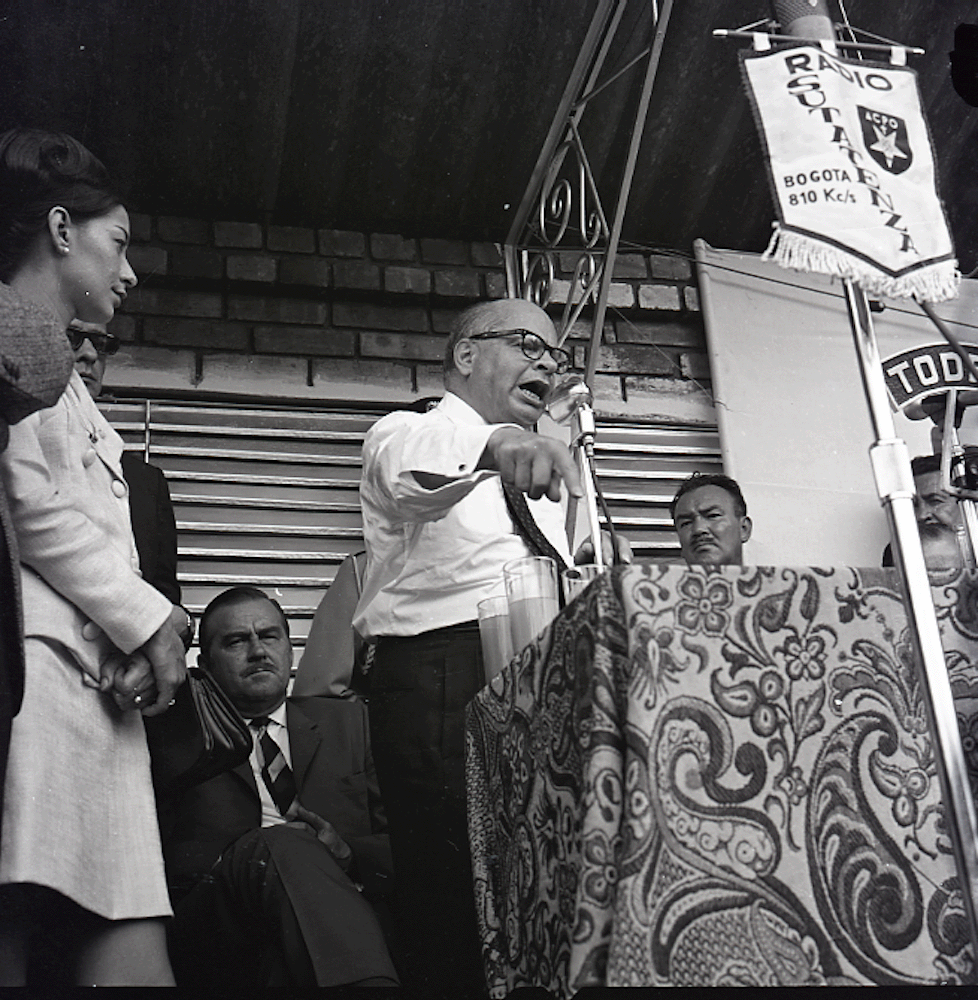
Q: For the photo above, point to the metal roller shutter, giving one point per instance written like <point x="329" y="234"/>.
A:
<point x="267" y="495"/>
<point x="640" y="467"/>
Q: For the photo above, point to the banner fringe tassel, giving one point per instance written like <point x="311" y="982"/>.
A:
<point x="935" y="282"/>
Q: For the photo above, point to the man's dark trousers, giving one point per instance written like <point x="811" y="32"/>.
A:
<point x="419" y="687"/>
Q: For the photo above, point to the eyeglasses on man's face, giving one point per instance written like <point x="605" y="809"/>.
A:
<point x="532" y="345"/>
<point x="104" y="343"/>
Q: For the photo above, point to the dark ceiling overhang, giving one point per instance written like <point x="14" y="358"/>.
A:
<point x="425" y="117"/>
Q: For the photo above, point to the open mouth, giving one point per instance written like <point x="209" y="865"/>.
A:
<point x="535" y="391"/>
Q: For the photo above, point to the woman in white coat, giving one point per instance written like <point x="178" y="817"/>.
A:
<point x="81" y="868"/>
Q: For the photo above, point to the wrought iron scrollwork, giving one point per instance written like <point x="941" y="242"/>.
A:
<point x="568" y="219"/>
<point x="562" y="243"/>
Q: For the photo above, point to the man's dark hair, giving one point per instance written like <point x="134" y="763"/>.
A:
<point x="923" y="464"/>
<point x="235" y="595"/>
<point x="698" y="480"/>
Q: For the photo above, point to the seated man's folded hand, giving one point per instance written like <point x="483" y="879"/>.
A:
<point x="326" y="834"/>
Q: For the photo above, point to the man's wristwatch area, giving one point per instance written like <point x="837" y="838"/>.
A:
<point x="187" y="633"/>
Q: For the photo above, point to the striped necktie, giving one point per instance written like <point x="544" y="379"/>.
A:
<point x="275" y="770"/>
<point x="527" y="528"/>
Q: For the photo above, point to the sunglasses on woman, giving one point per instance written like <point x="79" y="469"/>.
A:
<point x="104" y="343"/>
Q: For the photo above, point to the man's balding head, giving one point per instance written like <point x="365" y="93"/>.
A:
<point x="500" y="314"/>
<point x="489" y="360"/>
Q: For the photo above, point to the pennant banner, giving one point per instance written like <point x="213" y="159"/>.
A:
<point x="852" y="171"/>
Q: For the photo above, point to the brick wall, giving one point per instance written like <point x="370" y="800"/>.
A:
<point x="330" y="315"/>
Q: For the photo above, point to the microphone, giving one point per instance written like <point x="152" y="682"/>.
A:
<point x="804" y="18"/>
<point x="571" y="402"/>
<point x="567" y="398"/>
<point x="964" y="63"/>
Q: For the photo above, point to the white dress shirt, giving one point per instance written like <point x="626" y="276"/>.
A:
<point x="433" y="554"/>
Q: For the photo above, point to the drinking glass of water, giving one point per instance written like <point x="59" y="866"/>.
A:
<point x="497" y="642"/>
<point x="531" y="587"/>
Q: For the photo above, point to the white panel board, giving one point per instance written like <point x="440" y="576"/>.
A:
<point x="793" y="419"/>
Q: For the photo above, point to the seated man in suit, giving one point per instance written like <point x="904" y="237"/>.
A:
<point x="272" y="866"/>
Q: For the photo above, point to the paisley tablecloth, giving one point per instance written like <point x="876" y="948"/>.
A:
<point x="716" y="777"/>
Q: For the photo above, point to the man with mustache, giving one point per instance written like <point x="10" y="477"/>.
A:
<point x="273" y="866"/>
<point x="935" y="506"/>
<point x="438" y="530"/>
<point x="710" y="515"/>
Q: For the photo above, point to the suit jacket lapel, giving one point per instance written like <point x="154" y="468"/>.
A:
<point x="304" y="741"/>
<point x="245" y="773"/>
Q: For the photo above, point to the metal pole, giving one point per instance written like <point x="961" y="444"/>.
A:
<point x="952" y="454"/>
<point x="583" y="431"/>
<point x="894" y="483"/>
<point x="895" y="486"/>
<point x="606" y="12"/>
<point x="638" y="130"/>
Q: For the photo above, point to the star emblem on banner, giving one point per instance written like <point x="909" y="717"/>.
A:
<point x="886" y="146"/>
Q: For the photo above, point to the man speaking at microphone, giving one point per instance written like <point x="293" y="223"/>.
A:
<point x="445" y="496"/>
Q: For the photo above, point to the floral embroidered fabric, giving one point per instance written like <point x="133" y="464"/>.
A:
<point x="718" y="777"/>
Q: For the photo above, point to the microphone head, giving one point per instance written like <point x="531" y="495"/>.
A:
<point x="568" y="397"/>
<point x="964" y="63"/>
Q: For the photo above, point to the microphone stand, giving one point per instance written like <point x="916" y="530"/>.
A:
<point x="572" y="402"/>
<point x="895" y="485"/>
<point x="954" y="467"/>
<point x="582" y="443"/>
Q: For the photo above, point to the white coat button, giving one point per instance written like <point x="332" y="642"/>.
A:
<point x="119" y="488"/>
<point x="91" y="631"/>
<point x="89" y="457"/>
